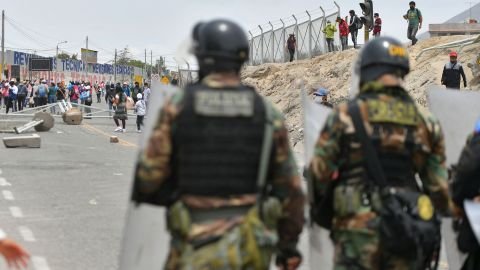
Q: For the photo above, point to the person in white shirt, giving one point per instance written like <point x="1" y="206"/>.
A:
<point x="146" y="93"/>
<point x="140" y="109"/>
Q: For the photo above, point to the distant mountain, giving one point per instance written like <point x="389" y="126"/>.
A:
<point x="460" y="18"/>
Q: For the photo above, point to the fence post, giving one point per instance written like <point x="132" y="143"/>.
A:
<point x="310" y="54"/>
<point x="338" y="15"/>
<point x="296" y="34"/>
<point x="252" y="63"/>
<point x="272" y="42"/>
<point x="261" y="44"/>
<point x="283" y="41"/>
<point x="322" y="27"/>
<point x="189" y="76"/>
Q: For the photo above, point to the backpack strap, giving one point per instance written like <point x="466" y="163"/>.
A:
<point x="374" y="170"/>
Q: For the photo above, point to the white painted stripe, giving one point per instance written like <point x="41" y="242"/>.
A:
<point x="4" y="183"/>
<point x="27" y="234"/>
<point x="8" y="195"/>
<point x="40" y="263"/>
<point x="16" y="211"/>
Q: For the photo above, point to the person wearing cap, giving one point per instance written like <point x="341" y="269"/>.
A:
<point x="343" y="26"/>
<point x="321" y="97"/>
<point x="291" y="46"/>
<point x="140" y="110"/>
<point x="377" y="27"/>
<point x="415" y="19"/>
<point x="329" y="32"/>
<point x="452" y="72"/>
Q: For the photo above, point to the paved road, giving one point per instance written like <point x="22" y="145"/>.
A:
<point x="67" y="202"/>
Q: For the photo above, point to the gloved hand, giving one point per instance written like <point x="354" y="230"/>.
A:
<point x="464" y="85"/>
<point x="288" y="259"/>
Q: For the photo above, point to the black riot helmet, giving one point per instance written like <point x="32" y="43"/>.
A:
<point x="220" y="45"/>
<point x="384" y="55"/>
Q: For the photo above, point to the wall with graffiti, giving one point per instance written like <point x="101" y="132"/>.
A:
<point x="70" y="70"/>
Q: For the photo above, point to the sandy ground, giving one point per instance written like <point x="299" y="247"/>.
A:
<point x="279" y="82"/>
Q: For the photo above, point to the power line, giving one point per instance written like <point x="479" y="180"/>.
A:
<point x="19" y="30"/>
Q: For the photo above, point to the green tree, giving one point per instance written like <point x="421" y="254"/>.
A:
<point x="63" y="56"/>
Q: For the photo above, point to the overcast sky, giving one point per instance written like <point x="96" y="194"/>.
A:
<point x="162" y="26"/>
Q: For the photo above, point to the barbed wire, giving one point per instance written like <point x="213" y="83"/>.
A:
<point x="302" y="17"/>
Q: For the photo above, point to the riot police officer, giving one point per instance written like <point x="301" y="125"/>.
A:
<point x="466" y="186"/>
<point x="219" y="160"/>
<point x="405" y="143"/>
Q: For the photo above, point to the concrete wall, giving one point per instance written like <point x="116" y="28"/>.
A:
<point x="454" y="29"/>
<point x="71" y="70"/>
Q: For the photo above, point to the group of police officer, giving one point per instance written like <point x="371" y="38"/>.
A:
<point x="219" y="159"/>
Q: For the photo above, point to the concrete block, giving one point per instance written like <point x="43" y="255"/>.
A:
<point x="114" y="139"/>
<point x="73" y="117"/>
<point x="32" y="141"/>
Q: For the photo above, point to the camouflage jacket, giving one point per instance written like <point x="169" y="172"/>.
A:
<point x="153" y="169"/>
<point x="330" y="158"/>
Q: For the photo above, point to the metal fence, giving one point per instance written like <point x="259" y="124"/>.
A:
<point x="187" y="76"/>
<point x="270" y="46"/>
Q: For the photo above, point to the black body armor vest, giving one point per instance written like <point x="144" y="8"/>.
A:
<point x="218" y="140"/>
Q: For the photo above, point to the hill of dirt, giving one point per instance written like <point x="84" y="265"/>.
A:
<point x="333" y="71"/>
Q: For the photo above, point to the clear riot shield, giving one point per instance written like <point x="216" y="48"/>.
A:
<point x="320" y="245"/>
<point x="472" y="210"/>
<point x="457" y="112"/>
<point x="145" y="241"/>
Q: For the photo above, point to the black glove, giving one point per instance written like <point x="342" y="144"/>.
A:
<point x="284" y="255"/>
<point x="465" y="85"/>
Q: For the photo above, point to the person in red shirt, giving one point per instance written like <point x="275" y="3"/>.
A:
<point x="377" y="28"/>
<point x="343" y="26"/>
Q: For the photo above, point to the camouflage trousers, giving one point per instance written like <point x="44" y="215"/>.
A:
<point x="249" y="245"/>
<point x="360" y="250"/>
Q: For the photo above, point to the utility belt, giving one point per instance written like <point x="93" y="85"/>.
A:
<point x="232" y="237"/>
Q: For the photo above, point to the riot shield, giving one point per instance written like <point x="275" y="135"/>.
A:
<point x="457" y="112"/>
<point x="145" y="240"/>
<point x="320" y="245"/>
<point x="472" y="209"/>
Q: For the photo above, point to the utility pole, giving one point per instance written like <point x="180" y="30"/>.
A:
<point x="145" y="65"/>
<point x="86" y="59"/>
<point x="470" y="11"/>
<point x="3" y="43"/>
<point x="151" y="64"/>
<point x="115" y="67"/>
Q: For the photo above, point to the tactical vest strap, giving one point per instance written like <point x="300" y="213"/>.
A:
<point x="266" y="147"/>
<point x="205" y="215"/>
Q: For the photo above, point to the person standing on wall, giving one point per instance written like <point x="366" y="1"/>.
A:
<point x="377" y="28"/>
<point x="355" y="24"/>
<point x="329" y="31"/>
<point x="291" y="46"/>
<point x="415" y="19"/>
<point x="343" y="26"/>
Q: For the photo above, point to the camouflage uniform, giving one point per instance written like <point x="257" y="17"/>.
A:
<point x="154" y="169"/>
<point x="338" y="153"/>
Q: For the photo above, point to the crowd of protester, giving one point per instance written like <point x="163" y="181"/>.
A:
<point x="16" y="95"/>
